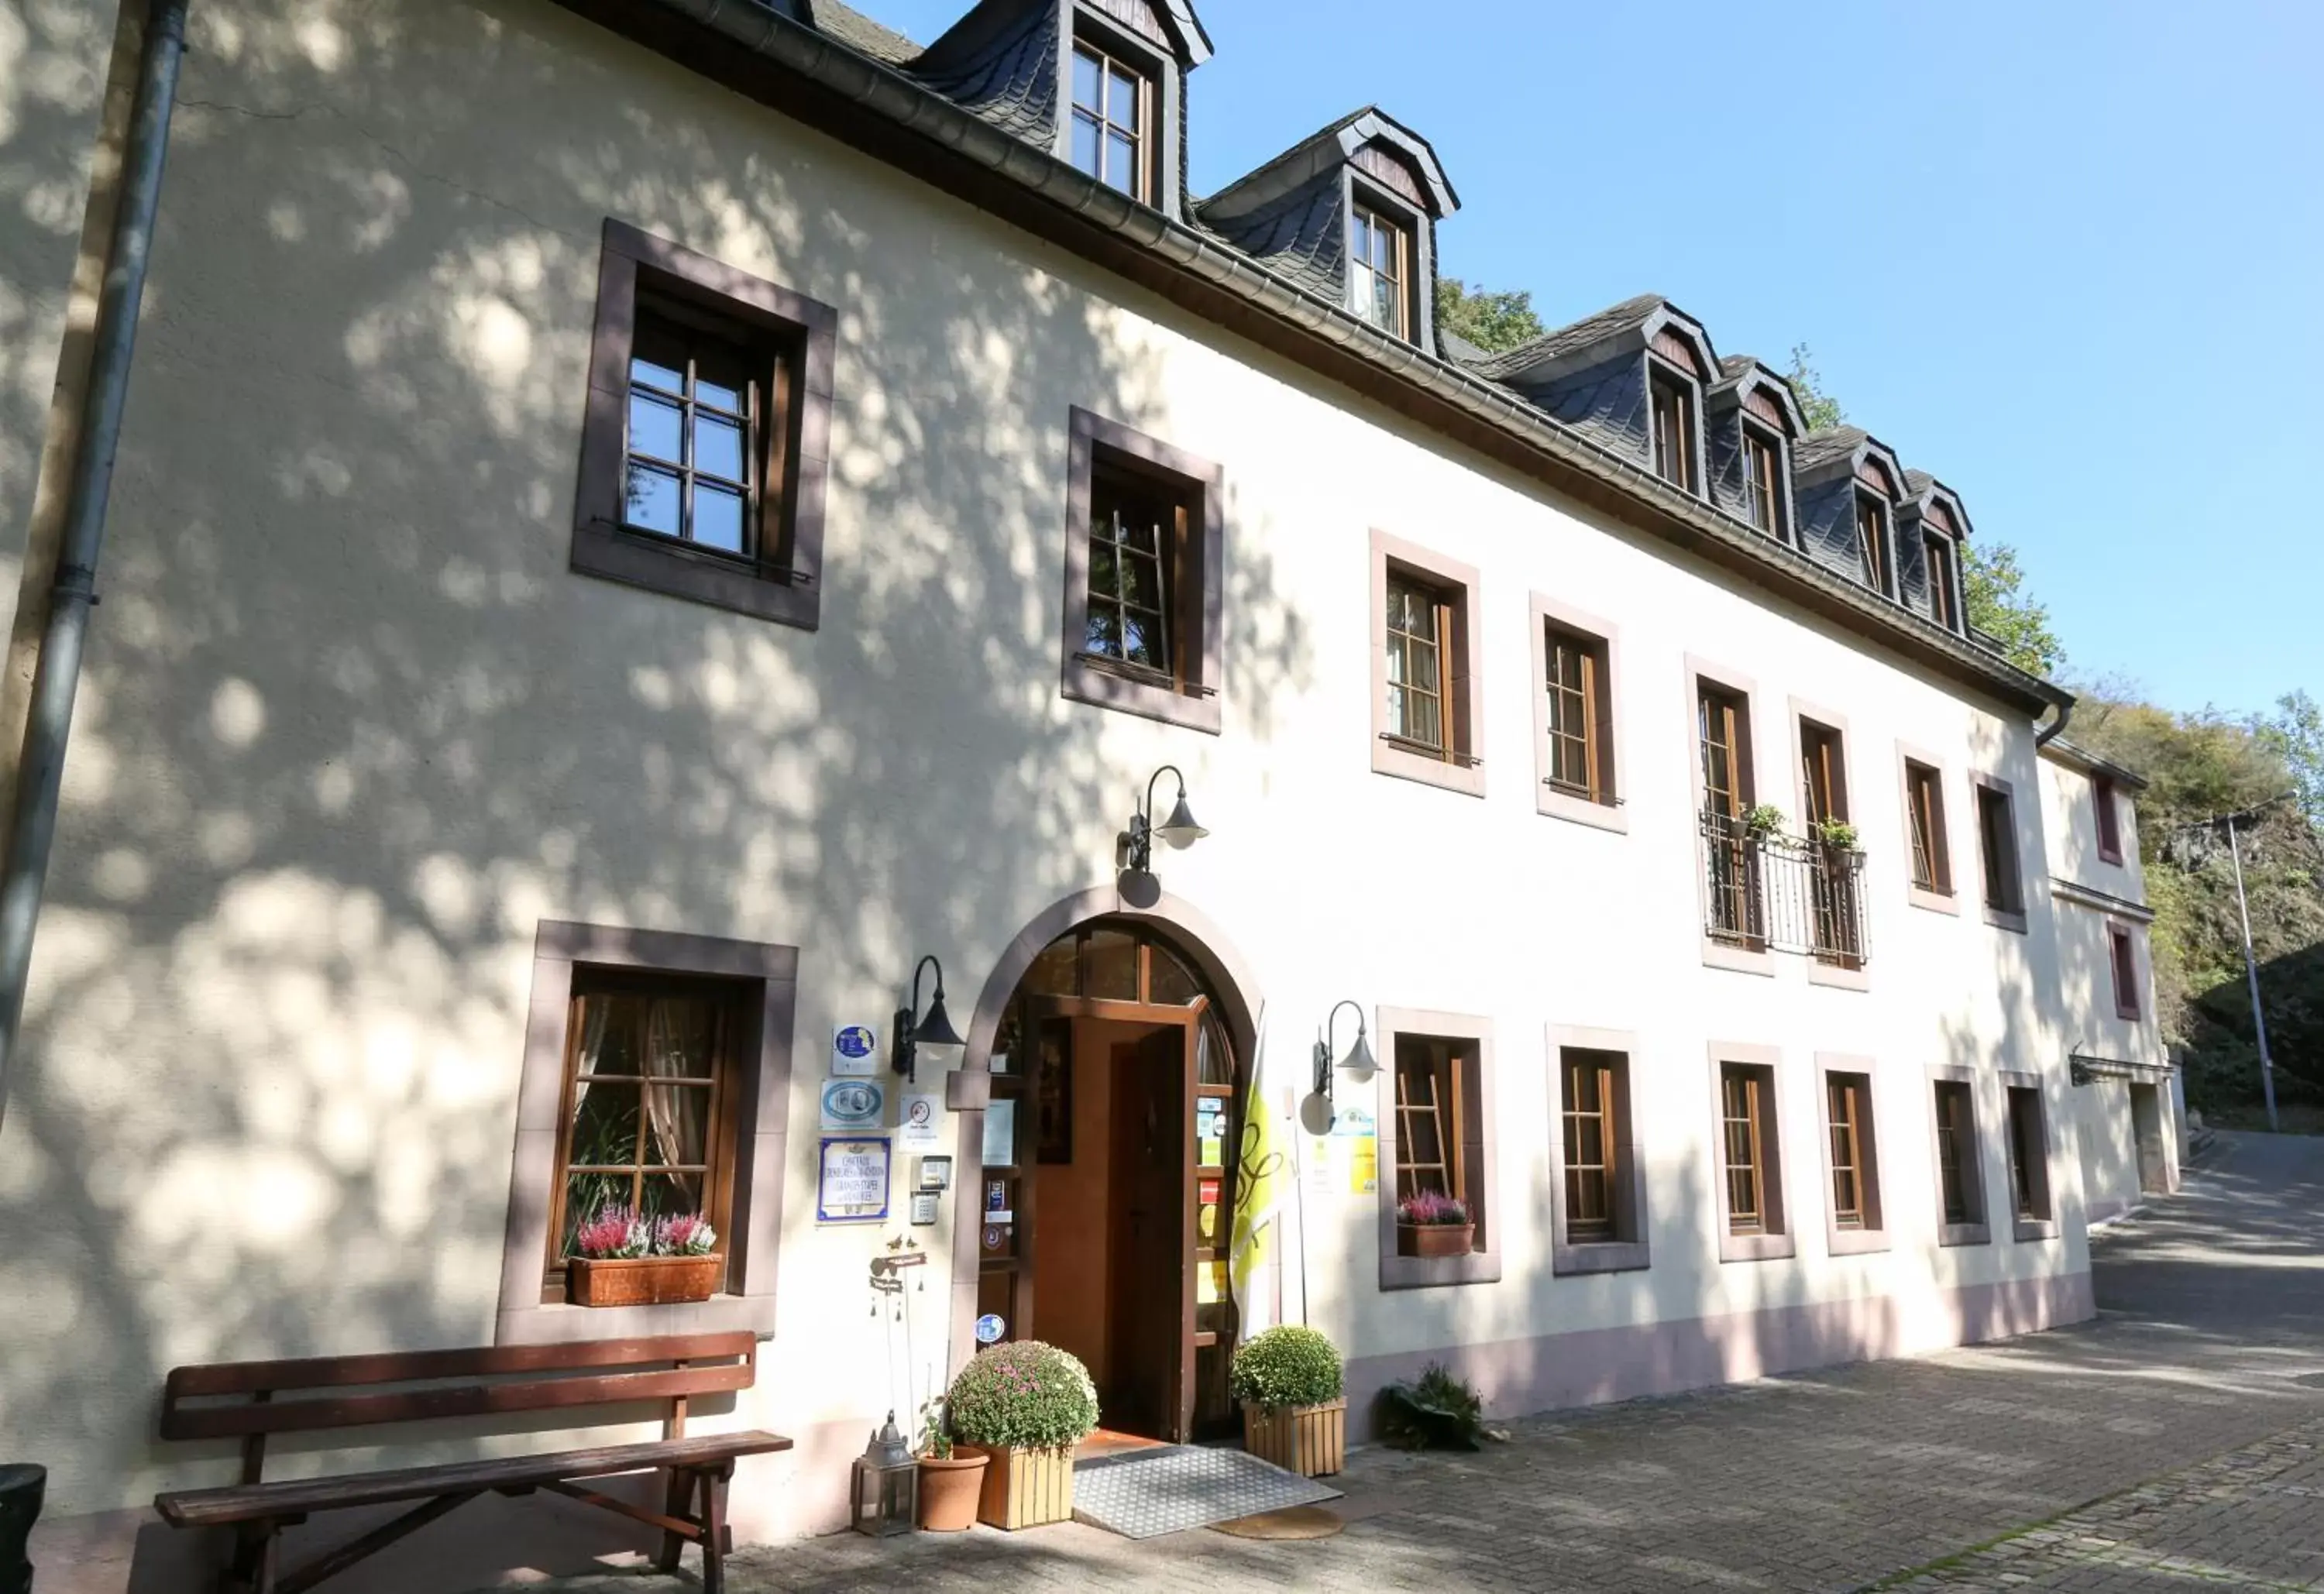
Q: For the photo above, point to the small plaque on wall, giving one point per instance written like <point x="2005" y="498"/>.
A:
<point x="852" y="1184"/>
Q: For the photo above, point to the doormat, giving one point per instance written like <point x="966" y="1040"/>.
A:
<point x="1145" y="1494"/>
<point x="1293" y="1522"/>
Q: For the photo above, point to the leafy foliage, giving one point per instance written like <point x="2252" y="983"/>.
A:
<point x="2297" y="733"/>
<point x="1023" y="1396"/>
<point x="1820" y="407"/>
<point x="1286" y="1366"/>
<point x="1435" y="1411"/>
<point x="1495" y="322"/>
<point x="1993" y="590"/>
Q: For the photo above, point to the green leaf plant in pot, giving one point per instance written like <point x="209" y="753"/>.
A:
<point x="1295" y="1412"/>
<point x="951" y="1484"/>
<point x="1838" y="835"/>
<point x="1764" y="820"/>
<point x="1025" y="1405"/>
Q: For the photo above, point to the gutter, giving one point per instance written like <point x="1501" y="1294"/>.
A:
<point x="887" y="94"/>
<point x="72" y="591"/>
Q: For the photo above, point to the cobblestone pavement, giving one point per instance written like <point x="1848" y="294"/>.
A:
<point x="2172" y="1443"/>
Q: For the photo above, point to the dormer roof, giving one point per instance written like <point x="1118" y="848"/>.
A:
<point x="1924" y="493"/>
<point x="1747" y="381"/>
<point x="853" y="29"/>
<point x="1648" y="320"/>
<point x="1852" y="450"/>
<point x="1337" y="144"/>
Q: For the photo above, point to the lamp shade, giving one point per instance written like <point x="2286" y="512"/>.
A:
<point x="1360" y="1062"/>
<point x="935" y="1030"/>
<point x="1180" y="831"/>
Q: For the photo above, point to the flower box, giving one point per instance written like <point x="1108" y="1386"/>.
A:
<point x="1309" y="1440"/>
<point x="642" y="1281"/>
<point x="1436" y="1239"/>
<point x="1024" y="1488"/>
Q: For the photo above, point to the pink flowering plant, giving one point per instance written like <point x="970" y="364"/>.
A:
<point x="1429" y="1210"/>
<point x="1022" y="1395"/>
<point x="620" y="1234"/>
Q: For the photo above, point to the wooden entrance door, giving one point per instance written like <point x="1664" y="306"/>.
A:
<point x="1149" y="1263"/>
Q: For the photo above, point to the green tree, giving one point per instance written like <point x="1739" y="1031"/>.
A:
<point x="1993" y="591"/>
<point x="1820" y="407"/>
<point x="2297" y="733"/>
<point x="1494" y="321"/>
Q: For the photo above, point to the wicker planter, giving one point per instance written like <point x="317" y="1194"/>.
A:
<point x="642" y="1281"/>
<point x="1309" y="1440"/>
<point x="1436" y="1239"/>
<point x="951" y="1490"/>
<point x="1024" y="1488"/>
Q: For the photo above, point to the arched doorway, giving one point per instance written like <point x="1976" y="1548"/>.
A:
<point x="1104" y="1205"/>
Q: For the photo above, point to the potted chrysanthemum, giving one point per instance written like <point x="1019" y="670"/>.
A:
<point x="622" y="1257"/>
<point x="1025" y="1405"/>
<point x="1431" y="1225"/>
<point x="1293" y="1411"/>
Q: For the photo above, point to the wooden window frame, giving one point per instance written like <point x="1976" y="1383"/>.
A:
<point x="1382" y="219"/>
<point x="1190" y="695"/>
<point x="1738" y="955"/>
<point x="1460" y="767"/>
<point x="1773" y="1240"/>
<point x="1944" y="592"/>
<point x="1870" y="1233"/>
<point x="1623" y="1248"/>
<point x="2105" y="799"/>
<point x="1942" y="894"/>
<point x="1666" y="381"/>
<point x="1876" y="537"/>
<point x="767" y="978"/>
<point x="1978" y="1229"/>
<point x="1843" y="967"/>
<point x="2123" y="963"/>
<point x="780" y="579"/>
<point x="1147" y="150"/>
<point x="1761" y="441"/>
<point x="2001" y="882"/>
<point x="2024" y="1104"/>
<point x="1602" y="809"/>
<point x="1478" y="1141"/>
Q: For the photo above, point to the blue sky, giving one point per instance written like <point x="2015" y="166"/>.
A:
<point x="2068" y="257"/>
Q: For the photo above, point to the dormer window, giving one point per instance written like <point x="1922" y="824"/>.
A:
<point x="1763" y="492"/>
<point x="1113" y="119"/>
<point x="1872" y="541"/>
<point x="1673" y="419"/>
<point x="1380" y="272"/>
<point x="1944" y="602"/>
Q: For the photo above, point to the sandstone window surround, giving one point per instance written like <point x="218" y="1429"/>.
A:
<point x="1598" y="1182"/>
<point x="1747" y="1153"/>
<point x="1856" y="1215"/>
<point x="2122" y="958"/>
<point x="2026" y="1121"/>
<point x="1577" y="716"/>
<point x="1468" y="1139"/>
<point x="635" y="517"/>
<point x="1145" y="559"/>
<point x="1997" y="853"/>
<point x="1957" y="1153"/>
<point x="763" y="979"/>
<point x="1428" y="667"/>
<point x="1928" y="832"/>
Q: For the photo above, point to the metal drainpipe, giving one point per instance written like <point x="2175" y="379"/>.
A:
<point x="40" y="772"/>
<point x="2044" y="735"/>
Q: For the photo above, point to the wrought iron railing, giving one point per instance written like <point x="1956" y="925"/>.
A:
<point x="1789" y="893"/>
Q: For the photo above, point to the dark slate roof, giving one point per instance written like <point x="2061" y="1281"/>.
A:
<point x="1827" y="445"/>
<point x="1610" y="322"/>
<point x="1738" y="365"/>
<point x="1000" y="61"/>
<point x="1298" y="234"/>
<point x="1917" y="483"/>
<point x="858" y="32"/>
<point x="1330" y="146"/>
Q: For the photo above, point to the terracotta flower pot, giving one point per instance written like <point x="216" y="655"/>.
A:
<point x="1024" y="1488"/>
<point x="950" y="1489"/>
<point x="1436" y="1239"/>
<point x="1309" y="1440"/>
<point x="642" y="1281"/>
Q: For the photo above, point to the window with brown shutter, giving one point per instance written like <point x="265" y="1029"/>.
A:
<point x="1746" y="1121"/>
<point x="1763" y="491"/>
<point x="2029" y="1157"/>
<point x="2103" y="797"/>
<point x="1426" y="708"/>
<point x="2123" y="954"/>
<point x="1960" y="1189"/>
<point x="1576" y="697"/>
<point x="1944" y="602"/>
<point x="1379" y="271"/>
<point x="1872" y="542"/>
<point x="1996" y="829"/>
<point x="1855" y="1177"/>
<point x="1673" y="427"/>
<point x="1924" y="807"/>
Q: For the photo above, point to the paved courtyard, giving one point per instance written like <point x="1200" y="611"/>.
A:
<point x="2175" y="1444"/>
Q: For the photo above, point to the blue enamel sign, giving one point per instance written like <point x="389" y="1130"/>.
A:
<point x="989" y="1329"/>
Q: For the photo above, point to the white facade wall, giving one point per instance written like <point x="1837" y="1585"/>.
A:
<point x="350" y="730"/>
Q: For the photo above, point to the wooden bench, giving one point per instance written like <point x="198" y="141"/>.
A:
<point x="248" y="1400"/>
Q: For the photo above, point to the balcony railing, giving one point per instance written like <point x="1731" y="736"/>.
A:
<point x="1782" y="892"/>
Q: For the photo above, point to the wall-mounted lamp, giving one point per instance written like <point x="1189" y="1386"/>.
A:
<point x="1315" y="1112"/>
<point x="935" y="1030"/>
<point x="1133" y="848"/>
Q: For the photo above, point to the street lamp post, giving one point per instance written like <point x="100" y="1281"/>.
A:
<point x="2251" y="974"/>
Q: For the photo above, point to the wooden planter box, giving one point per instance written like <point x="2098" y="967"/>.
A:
<point x="1309" y="1440"/>
<point x="1024" y="1488"/>
<point x="1436" y="1239"/>
<point x="642" y="1281"/>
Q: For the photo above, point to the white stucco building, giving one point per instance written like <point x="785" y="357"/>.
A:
<point x="636" y="522"/>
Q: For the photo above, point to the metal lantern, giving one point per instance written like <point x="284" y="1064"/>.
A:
<point x="887" y="1485"/>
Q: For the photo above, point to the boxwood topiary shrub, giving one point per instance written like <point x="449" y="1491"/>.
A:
<point x="1286" y="1366"/>
<point x="1023" y="1396"/>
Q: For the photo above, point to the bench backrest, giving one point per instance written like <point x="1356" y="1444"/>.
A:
<point x="250" y="1399"/>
